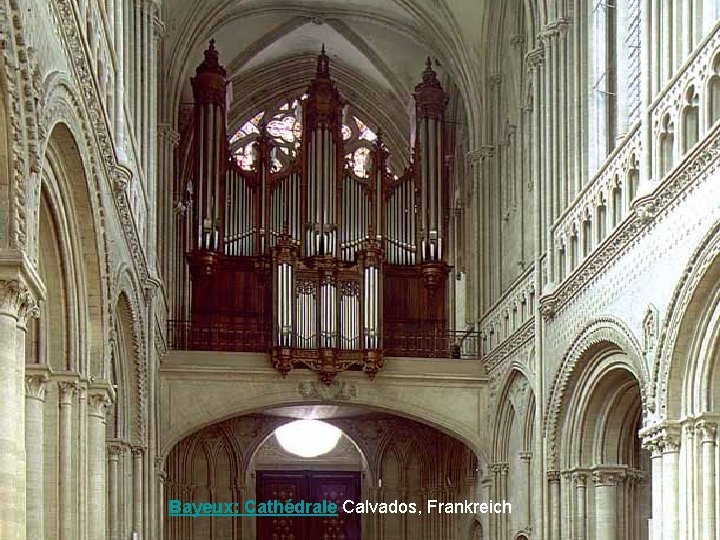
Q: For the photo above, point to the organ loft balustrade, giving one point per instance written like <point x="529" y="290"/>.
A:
<point x="303" y="243"/>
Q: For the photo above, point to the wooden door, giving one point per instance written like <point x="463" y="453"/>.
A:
<point x="312" y="486"/>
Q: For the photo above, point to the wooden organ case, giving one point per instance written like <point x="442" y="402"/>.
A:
<point x="322" y="268"/>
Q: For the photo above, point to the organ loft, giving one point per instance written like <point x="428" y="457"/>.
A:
<point x="316" y="251"/>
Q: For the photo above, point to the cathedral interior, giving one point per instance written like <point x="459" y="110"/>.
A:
<point x="402" y="253"/>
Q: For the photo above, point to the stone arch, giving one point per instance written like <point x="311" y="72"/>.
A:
<point x="66" y="177"/>
<point x="286" y="394"/>
<point x="604" y="398"/>
<point x="57" y="325"/>
<point x="595" y="447"/>
<point x="127" y="372"/>
<point x="129" y="340"/>
<point x="601" y="335"/>
<point x="688" y="345"/>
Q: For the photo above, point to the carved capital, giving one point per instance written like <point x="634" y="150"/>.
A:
<point x="525" y="457"/>
<point x="115" y="449"/>
<point x="67" y="391"/>
<point x="707" y="431"/>
<point x="553" y="477"/>
<point x="98" y="401"/>
<point x="607" y="477"/>
<point x="36" y="386"/>
<point x="16" y="300"/>
<point x="669" y="441"/>
<point x="137" y="452"/>
<point x="580" y="479"/>
<point x="535" y="58"/>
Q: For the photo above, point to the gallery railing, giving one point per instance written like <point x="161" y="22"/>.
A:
<point x="426" y="341"/>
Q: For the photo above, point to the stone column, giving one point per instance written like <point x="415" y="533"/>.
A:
<point x="526" y="458"/>
<point x="137" y="467"/>
<point x="66" y="508"/>
<point x="114" y="451"/>
<point x="708" y="432"/>
<point x="553" y="478"/>
<point x="656" y="466"/>
<point x="580" y="482"/>
<point x="670" y="444"/>
<point x="35" y="392"/>
<point x="503" y="494"/>
<point x="160" y="510"/>
<point x="98" y="401"/>
<point x="15" y="300"/>
<point x="606" y="501"/>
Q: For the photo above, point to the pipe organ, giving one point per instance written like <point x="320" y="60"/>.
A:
<point x="326" y="266"/>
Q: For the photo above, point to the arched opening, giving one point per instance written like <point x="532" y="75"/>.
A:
<point x="380" y="458"/>
<point x="713" y="93"/>
<point x="513" y="462"/>
<point x="52" y="332"/>
<point x="689" y="396"/>
<point x="604" y="469"/>
<point x="667" y="145"/>
<point x="68" y="204"/>
<point x="691" y="119"/>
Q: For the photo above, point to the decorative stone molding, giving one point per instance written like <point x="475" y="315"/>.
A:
<point x="517" y="340"/>
<point x="115" y="450"/>
<point x="519" y="296"/>
<point x="662" y="438"/>
<point x="101" y="129"/>
<point x="36" y="386"/>
<point x="607" y="477"/>
<point x="651" y="329"/>
<point x="99" y="399"/>
<point x="525" y="457"/>
<point x="701" y="260"/>
<point x="336" y="391"/>
<point x="553" y="477"/>
<point x="547" y="308"/>
<point x="607" y="330"/>
<point x="707" y="431"/>
<point x="16" y="300"/>
<point x="67" y="391"/>
<point x="21" y="77"/>
<point x="535" y="58"/>
<point x="696" y="168"/>
<point x="122" y="177"/>
<point x="580" y="479"/>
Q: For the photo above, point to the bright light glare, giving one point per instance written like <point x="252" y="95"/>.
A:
<point x="308" y="438"/>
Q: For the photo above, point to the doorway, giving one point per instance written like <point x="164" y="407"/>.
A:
<point x="311" y="486"/>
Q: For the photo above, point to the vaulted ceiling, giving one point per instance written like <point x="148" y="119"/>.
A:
<point x="377" y="50"/>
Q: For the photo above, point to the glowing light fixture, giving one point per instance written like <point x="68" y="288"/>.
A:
<point x="308" y="438"/>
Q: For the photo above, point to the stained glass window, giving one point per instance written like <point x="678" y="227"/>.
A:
<point x="284" y="126"/>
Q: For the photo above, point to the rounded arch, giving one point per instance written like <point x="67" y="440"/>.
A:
<point x="688" y="347"/>
<point x="601" y="336"/>
<point x="127" y="371"/>
<point x="516" y="404"/>
<point x="602" y="413"/>
<point x="76" y="205"/>
<point x="289" y="397"/>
